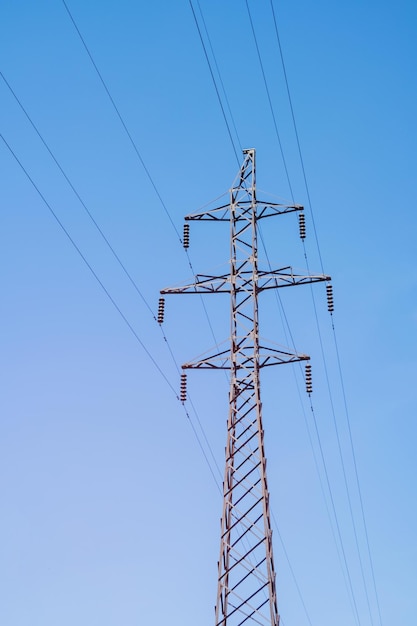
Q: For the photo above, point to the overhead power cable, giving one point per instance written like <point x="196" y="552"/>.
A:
<point x="328" y="384"/>
<point x="291" y="570"/>
<point x="214" y="82"/>
<point x="105" y="239"/>
<point x="296" y="133"/>
<point x="339" y="446"/>
<point x="124" y="125"/>
<point x="88" y="265"/>
<point x="289" y="338"/>
<point x="270" y="101"/>
<point x="218" y="74"/>
<point x="115" y="305"/>
<point x="138" y="154"/>
<point x="107" y="242"/>
<point x="335" y="341"/>
<point x="119" y="115"/>
<point x="357" y="476"/>
<point x="338" y="540"/>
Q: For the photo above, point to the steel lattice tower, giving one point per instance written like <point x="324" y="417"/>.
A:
<point x="246" y="591"/>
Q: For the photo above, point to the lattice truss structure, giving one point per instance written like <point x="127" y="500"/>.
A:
<point x="246" y="591"/>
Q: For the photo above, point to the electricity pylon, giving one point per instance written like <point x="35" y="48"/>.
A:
<point x="246" y="591"/>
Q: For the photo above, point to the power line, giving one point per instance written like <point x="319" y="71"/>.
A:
<point x="214" y="81"/>
<point x="324" y="360"/>
<point x="286" y="328"/>
<point x="218" y="72"/>
<point x="291" y="570"/>
<point x="115" y="305"/>
<point x="107" y="242"/>
<point x="94" y="221"/>
<point x="333" y="412"/>
<point x="270" y="102"/>
<point x="119" y="115"/>
<point x="356" y="474"/>
<point x="88" y="265"/>
<point x="136" y="148"/>
<point x="328" y="384"/>
<point x="296" y="134"/>
<point x="336" y="346"/>
<point x="288" y="332"/>
<point x="139" y="155"/>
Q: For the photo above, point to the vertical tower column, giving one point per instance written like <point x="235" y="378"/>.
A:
<point x="246" y="575"/>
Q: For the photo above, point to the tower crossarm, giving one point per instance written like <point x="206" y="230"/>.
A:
<point x="267" y="356"/>
<point x="203" y="283"/>
<point x="264" y="209"/>
<point x="284" y="277"/>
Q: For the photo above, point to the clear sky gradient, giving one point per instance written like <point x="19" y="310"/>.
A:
<point x="110" y="500"/>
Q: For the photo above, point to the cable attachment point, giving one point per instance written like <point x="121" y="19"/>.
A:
<point x="330" y="304"/>
<point x="309" y="385"/>
<point x="302" y="225"/>
<point x="186" y="236"/>
<point x="161" y="310"/>
<point x="183" y="388"/>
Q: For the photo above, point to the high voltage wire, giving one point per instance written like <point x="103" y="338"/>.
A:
<point x="214" y="81"/>
<point x="88" y="265"/>
<point x="305" y="179"/>
<point x="357" y="475"/>
<point x="116" y="306"/>
<point x="324" y="360"/>
<point x="270" y="102"/>
<point x="135" y="148"/>
<point x="343" y="564"/>
<point x="105" y="239"/>
<point x="296" y="132"/>
<point x="297" y="586"/>
<point x="218" y="72"/>
<point x="333" y="328"/>
<point x="340" y="452"/>
<point x="147" y="171"/>
<point x="346" y="568"/>
<point x="107" y="242"/>
<point x="137" y="152"/>
<point x="287" y="329"/>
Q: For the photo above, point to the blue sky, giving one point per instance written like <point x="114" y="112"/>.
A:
<point x="110" y="513"/>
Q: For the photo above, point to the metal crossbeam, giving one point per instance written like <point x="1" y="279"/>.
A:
<point x="264" y="209"/>
<point x="267" y="357"/>
<point x="275" y="279"/>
